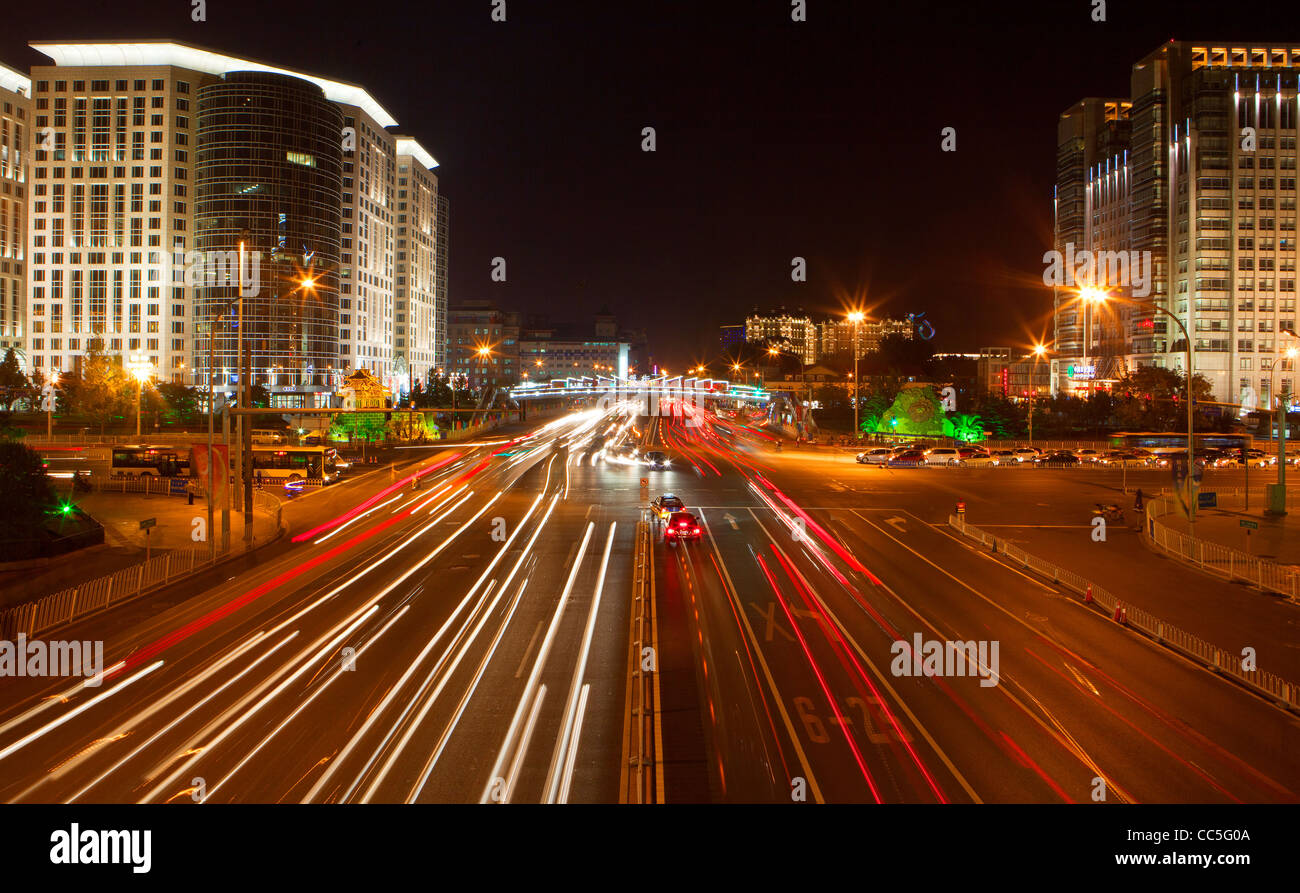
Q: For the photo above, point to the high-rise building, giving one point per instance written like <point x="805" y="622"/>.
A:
<point x="366" y="327"/>
<point x="795" y="329"/>
<point x="15" y="149"/>
<point x="1191" y="183"/>
<point x="442" y="299"/>
<point x="266" y="176"/>
<point x="419" y="334"/>
<point x="114" y="216"/>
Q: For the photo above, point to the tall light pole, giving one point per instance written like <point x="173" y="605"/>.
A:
<point x="1098" y="297"/>
<point x="139" y="368"/>
<point x="856" y="318"/>
<point x="1039" y="351"/>
<point x="1277" y="492"/>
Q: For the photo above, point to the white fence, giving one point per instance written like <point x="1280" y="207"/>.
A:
<point x="1232" y="564"/>
<point x="37" y="617"/>
<point x="1284" y="692"/>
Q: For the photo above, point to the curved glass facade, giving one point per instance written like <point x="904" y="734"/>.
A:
<point x="268" y="171"/>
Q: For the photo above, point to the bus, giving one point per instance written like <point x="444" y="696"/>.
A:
<point x="143" y="461"/>
<point x="1173" y="442"/>
<point x="296" y="464"/>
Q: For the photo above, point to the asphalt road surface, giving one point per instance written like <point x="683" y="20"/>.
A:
<point x="468" y="641"/>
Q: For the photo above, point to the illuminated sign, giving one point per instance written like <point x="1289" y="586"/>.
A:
<point x="1081" y="372"/>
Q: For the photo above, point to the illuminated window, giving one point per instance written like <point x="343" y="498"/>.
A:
<point x="301" y="158"/>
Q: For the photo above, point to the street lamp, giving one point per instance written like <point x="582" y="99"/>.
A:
<point x="1039" y="351"/>
<point x="1097" y="297"/>
<point x="856" y="318"/>
<point x="1277" y="496"/>
<point x="140" y="370"/>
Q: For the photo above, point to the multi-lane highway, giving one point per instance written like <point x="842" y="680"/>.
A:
<point x="468" y="640"/>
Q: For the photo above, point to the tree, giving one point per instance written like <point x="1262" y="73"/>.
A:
<point x="1151" y="399"/>
<point x="103" y="390"/>
<point x="27" y="496"/>
<point x="178" y="401"/>
<point x="13" y="384"/>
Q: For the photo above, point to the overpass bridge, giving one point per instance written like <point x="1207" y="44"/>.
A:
<point x="650" y="390"/>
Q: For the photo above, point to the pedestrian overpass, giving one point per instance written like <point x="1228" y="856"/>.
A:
<point x="649" y="390"/>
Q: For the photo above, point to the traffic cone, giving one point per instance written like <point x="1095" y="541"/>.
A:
<point x="1120" y="615"/>
<point x="1087" y="596"/>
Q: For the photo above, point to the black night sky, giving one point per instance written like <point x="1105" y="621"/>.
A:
<point x="775" y="139"/>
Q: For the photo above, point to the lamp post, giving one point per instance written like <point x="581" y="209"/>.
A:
<point x="139" y="368"/>
<point x="856" y="318"/>
<point x="1039" y="351"/>
<point x="1277" y="492"/>
<point x="1097" y="297"/>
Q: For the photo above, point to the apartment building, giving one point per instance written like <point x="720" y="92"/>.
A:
<point x="15" y="149"/>
<point x="1192" y="177"/>
<point x="796" y="329"/>
<point x="419" y="336"/>
<point x="483" y="345"/>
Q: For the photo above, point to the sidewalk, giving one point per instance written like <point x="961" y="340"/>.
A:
<point x="1277" y="539"/>
<point x="124" y="541"/>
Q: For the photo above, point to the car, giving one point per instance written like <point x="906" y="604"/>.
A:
<point x="1004" y="457"/>
<point x="942" y="456"/>
<point x="1121" y="458"/>
<point x="906" y="459"/>
<point x="976" y="456"/>
<point x="1087" y="455"/>
<point x="1028" y="454"/>
<point x="665" y="505"/>
<point x="1060" y="457"/>
<point x="657" y="459"/>
<point x="875" y="456"/>
<point x="682" y="526"/>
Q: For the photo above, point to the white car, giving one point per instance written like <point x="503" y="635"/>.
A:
<point x="875" y="456"/>
<point x="1088" y="455"/>
<point x="1027" y="454"/>
<point x="942" y="456"/>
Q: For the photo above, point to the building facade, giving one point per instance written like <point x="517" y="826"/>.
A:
<point x="267" y="177"/>
<point x="15" y="151"/>
<point x="796" y="329"/>
<point x="836" y="335"/>
<point x="1195" y="171"/>
<point x="114" y="227"/>
<point x="419" y="334"/>
<point x="483" y="346"/>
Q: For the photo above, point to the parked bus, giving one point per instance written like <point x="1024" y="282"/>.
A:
<point x="142" y="461"/>
<point x="293" y="464"/>
<point x="1173" y="442"/>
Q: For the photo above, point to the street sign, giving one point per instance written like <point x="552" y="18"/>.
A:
<point x="148" y="522"/>
<point x="1249" y="525"/>
<point x="645" y="483"/>
<point x="178" y="486"/>
<point x="1207" y="500"/>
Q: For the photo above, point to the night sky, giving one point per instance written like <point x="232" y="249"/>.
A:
<point x="775" y="139"/>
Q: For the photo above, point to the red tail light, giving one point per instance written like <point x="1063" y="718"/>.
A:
<point x="670" y="531"/>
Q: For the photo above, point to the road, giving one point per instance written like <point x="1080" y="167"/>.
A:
<point x="468" y="641"/>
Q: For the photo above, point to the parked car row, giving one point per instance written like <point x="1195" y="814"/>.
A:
<point x="918" y="454"/>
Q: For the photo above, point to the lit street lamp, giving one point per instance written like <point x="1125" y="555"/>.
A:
<point x="1097" y="297"/>
<point x="1277" y="494"/>
<point x="1039" y="351"/>
<point x="141" y="370"/>
<point x="856" y="318"/>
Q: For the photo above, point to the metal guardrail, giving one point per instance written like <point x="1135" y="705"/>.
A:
<point x="75" y="603"/>
<point x="643" y="758"/>
<point x="1229" y="563"/>
<point x="1282" y="691"/>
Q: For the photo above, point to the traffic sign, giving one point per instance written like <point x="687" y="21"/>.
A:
<point x="1207" y="500"/>
<point x="645" y="483"/>
<point x="148" y="522"/>
<point x="1249" y="525"/>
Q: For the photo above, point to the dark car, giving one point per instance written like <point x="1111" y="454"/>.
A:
<point x="682" y="526"/>
<point x="907" y="459"/>
<point x="1060" y="457"/>
<point x="665" y="505"/>
<point x="656" y="459"/>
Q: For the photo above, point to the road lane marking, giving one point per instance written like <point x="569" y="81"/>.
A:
<point x="1057" y="730"/>
<point x="776" y="692"/>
